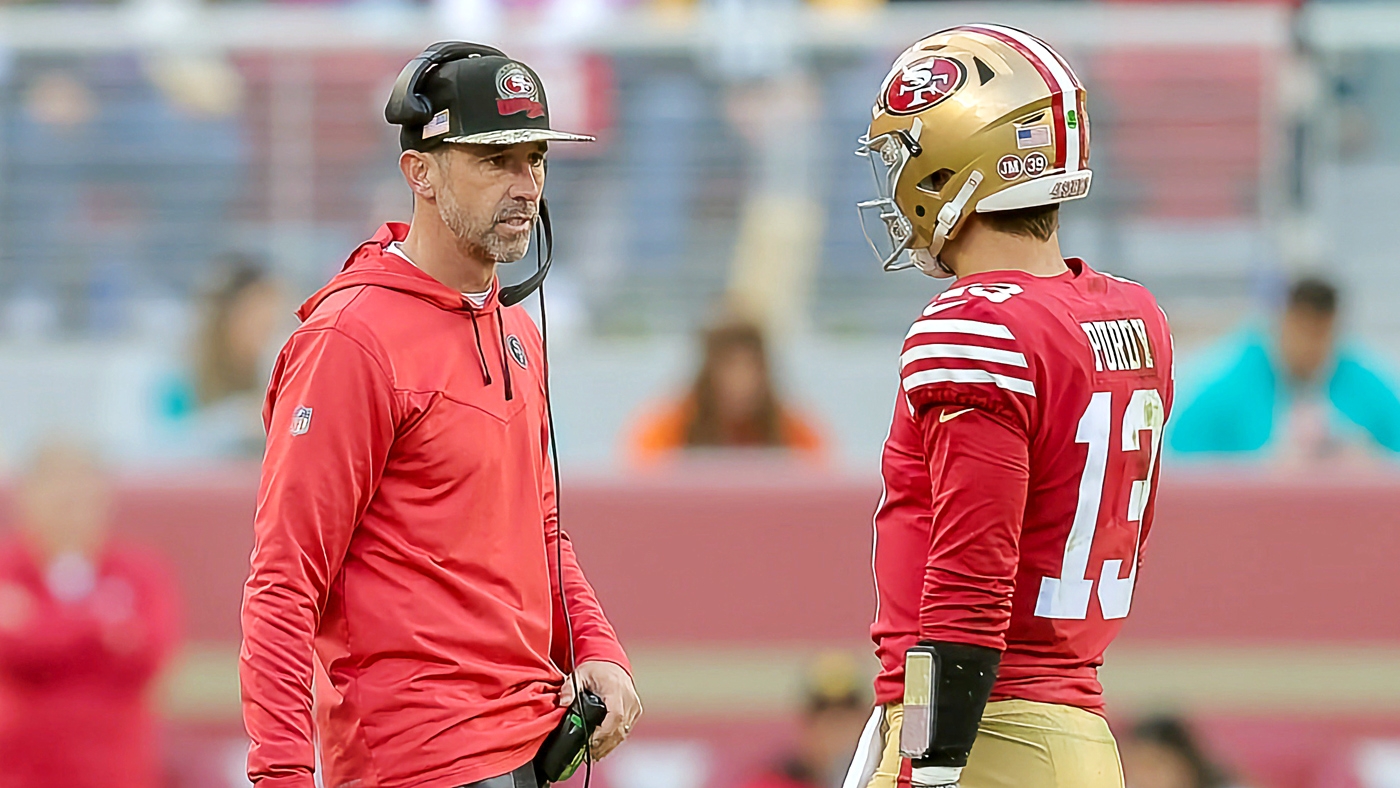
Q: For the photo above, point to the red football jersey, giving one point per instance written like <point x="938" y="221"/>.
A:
<point x="1019" y="474"/>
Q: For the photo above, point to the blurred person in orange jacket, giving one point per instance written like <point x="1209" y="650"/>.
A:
<point x="834" y="709"/>
<point x="733" y="404"/>
<point x="85" y="626"/>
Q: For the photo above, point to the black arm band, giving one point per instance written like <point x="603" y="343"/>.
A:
<point x="965" y="678"/>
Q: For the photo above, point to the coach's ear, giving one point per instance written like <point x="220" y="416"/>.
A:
<point x="420" y="170"/>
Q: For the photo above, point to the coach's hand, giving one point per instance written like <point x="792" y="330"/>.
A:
<point x="610" y="682"/>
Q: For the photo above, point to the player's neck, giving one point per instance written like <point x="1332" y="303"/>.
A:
<point x="436" y="250"/>
<point x="979" y="249"/>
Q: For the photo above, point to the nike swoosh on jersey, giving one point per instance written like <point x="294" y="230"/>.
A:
<point x="946" y="416"/>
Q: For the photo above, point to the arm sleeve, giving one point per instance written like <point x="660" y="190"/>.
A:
<point x="330" y="424"/>
<point x="979" y="470"/>
<point x="594" y="638"/>
<point x="1365" y="396"/>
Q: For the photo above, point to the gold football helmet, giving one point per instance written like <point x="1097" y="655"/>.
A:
<point x="974" y="118"/>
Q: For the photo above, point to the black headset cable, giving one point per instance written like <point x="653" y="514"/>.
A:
<point x="559" y="526"/>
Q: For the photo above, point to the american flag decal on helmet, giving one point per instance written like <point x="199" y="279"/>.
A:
<point x="1066" y="93"/>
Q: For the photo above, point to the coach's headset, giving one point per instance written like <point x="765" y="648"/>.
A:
<point x="409" y="107"/>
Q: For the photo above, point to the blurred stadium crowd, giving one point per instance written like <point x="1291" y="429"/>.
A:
<point x="176" y="176"/>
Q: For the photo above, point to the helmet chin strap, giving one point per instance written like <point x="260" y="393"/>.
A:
<point x="926" y="260"/>
<point x="929" y="263"/>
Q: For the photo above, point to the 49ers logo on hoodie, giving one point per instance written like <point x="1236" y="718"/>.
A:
<point x="916" y="86"/>
<point x="517" y="351"/>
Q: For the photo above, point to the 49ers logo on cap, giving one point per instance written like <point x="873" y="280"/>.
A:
<point x="516" y="91"/>
<point x="923" y="83"/>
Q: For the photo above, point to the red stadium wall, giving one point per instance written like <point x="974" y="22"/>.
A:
<point x="1267" y="607"/>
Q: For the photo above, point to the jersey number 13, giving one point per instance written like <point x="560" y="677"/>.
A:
<point x="1067" y="596"/>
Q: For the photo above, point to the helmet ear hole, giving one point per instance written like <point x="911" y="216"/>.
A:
<point x="935" y="181"/>
<point x="984" y="71"/>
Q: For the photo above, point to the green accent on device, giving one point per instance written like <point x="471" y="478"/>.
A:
<point x="1071" y="119"/>
<point x="567" y="746"/>
<point x="576" y="723"/>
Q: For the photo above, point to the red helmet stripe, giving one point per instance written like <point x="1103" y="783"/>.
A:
<point x="1073" y="78"/>
<point x="1083" y="131"/>
<point x="1059" y="83"/>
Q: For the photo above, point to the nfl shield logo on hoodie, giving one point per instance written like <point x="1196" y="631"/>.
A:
<point x="301" y="420"/>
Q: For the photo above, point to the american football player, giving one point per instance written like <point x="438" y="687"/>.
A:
<point x="1021" y="464"/>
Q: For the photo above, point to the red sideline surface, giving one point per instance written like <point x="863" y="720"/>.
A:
<point x="782" y="557"/>
<point x="701" y="558"/>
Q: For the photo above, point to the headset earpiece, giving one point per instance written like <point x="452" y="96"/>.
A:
<point x="407" y="105"/>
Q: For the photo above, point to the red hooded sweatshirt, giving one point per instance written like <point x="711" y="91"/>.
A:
<point x="406" y="530"/>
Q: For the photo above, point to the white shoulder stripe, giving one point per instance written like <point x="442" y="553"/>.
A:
<point x="951" y="326"/>
<point x="927" y="376"/>
<point x="935" y="308"/>
<point x="969" y="352"/>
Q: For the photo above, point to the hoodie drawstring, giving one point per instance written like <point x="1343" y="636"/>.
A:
<point x="481" y="351"/>
<point x="505" y="355"/>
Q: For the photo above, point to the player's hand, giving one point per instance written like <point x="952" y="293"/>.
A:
<point x="610" y="682"/>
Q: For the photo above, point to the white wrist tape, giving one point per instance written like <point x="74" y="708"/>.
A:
<point x="930" y="776"/>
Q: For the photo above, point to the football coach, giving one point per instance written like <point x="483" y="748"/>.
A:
<point x="406" y="532"/>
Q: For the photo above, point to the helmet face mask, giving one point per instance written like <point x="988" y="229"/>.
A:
<point x="977" y="118"/>
<point x="888" y="231"/>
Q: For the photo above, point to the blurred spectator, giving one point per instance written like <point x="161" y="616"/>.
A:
<point x="239" y="323"/>
<point x="238" y="335"/>
<point x="835" y="708"/>
<point x="85" y="626"/>
<point x="1160" y="752"/>
<point x="121" y="169"/>
<point x="732" y="404"/>
<point x="1296" y="394"/>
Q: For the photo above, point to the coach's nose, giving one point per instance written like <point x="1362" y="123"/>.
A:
<point x="527" y="181"/>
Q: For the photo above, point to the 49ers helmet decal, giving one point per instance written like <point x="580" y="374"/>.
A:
<point x="974" y="118"/>
<point x="922" y="84"/>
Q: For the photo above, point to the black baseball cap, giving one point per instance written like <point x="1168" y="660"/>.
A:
<point x="484" y="99"/>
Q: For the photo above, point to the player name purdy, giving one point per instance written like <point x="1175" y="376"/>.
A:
<point x="1119" y="345"/>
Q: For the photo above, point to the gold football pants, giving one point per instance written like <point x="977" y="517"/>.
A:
<point x="1020" y="744"/>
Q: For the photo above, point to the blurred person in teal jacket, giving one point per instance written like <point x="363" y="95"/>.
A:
<point x="1295" y="395"/>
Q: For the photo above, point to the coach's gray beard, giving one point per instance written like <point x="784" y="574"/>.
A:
<point x="477" y="241"/>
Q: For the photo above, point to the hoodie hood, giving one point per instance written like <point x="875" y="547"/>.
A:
<point x="374" y="265"/>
